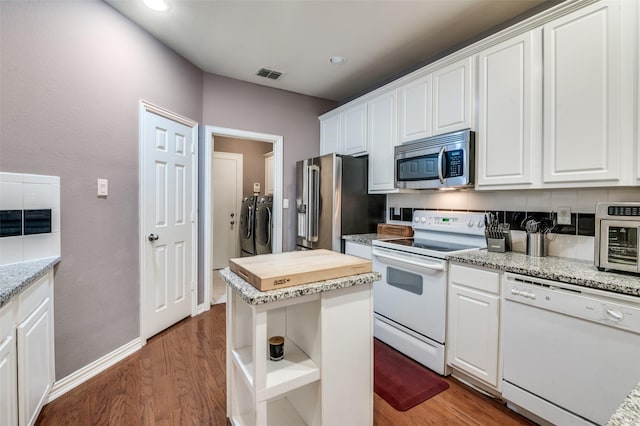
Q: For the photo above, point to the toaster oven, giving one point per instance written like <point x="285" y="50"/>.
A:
<point x="616" y="239"/>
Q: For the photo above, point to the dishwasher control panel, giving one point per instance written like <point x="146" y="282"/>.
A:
<point x="616" y="310"/>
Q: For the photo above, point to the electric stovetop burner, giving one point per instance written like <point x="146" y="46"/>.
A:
<point x="440" y="246"/>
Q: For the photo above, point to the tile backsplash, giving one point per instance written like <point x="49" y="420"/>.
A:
<point x="573" y="241"/>
<point x="29" y="217"/>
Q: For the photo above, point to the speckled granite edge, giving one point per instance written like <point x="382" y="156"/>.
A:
<point x="628" y="414"/>
<point x="253" y="296"/>
<point x="569" y="271"/>
<point x="366" y="239"/>
<point x="16" y="277"/>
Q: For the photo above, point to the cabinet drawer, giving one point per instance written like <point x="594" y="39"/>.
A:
<point x="33" y="296"/>
<point x="480" y="279"/>
<point x="359" y="250"/>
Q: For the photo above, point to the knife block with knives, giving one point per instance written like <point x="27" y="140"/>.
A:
<point x="498" y="235"/>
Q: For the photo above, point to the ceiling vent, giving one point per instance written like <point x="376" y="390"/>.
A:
<point x="267" y="73"/>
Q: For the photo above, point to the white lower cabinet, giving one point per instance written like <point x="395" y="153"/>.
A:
<point x="8" y="383"/>
<point x="326" y="376"/>
<point x="357" y="249"/>
<point x="27" y="362"/>
<point x="473" y="324"/>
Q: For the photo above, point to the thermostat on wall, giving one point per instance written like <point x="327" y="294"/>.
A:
<point x="256" y="187"/>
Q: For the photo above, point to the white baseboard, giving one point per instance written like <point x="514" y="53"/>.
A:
<point x="62" y="386"/>
<point x="204" y="307"/>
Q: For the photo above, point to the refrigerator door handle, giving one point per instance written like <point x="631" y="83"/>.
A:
<point x="313" y="215"/>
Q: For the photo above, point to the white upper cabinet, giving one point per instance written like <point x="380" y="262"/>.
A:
<point x="415" y="112"/>
<point x="330" y="135"/>
<point x="582" y="78"/>
<point x="344" y="132"/>
<point x="354" y="130"/>
<point x="510" y="113"/>
<point x="453" y="97"/>
<point x="382" y="136"/>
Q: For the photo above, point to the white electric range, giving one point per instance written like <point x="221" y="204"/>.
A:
<point x="410" y="302"/>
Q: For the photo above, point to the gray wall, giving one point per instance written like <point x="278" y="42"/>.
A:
<point x="252" y="159"/>
<point x="72" y="75"/>
<point x="245" y="106"/>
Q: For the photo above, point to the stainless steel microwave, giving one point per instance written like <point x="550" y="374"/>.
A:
<point x="443" y="161"/>
<point x="616" y="239"/>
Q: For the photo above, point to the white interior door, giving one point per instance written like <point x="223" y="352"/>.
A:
<point x="227" y="196"/>
<point x="168" y="221"/>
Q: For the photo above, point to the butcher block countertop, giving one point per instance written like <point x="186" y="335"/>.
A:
<point x="253" y="296"/>
<point x="570" y="271"/>
<point x="16" y="277"/>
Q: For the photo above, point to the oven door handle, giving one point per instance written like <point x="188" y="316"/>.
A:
<point x="425" y="265"/>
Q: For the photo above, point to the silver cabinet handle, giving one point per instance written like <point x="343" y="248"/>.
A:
<point x="153" y="237"/>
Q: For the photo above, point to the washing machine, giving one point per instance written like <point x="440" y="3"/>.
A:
<point x="247" y="226"/>
<point x="264" y="224"/>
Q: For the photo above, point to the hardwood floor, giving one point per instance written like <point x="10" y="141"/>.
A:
<point x="178" y="378"/>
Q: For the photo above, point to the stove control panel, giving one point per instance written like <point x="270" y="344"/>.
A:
<point x="456" y="222"/>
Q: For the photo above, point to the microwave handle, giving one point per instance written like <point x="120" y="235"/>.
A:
<point x="440" y="156"/>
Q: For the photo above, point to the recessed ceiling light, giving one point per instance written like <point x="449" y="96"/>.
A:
<point x="157" y="5"/>
<point x="337" y="60"/>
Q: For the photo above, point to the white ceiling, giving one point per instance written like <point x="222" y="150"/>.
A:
<point x="380" y="39"/>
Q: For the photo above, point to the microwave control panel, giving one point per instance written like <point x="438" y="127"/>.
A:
<point x="455" y="163"/>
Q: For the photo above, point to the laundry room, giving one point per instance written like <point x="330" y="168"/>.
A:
<point x="242" y="194"/>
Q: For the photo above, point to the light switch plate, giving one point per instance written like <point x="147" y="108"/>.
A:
<point x="103" y="187"/>
<point x="564" y="215"/>
<point x="285" y="203"/>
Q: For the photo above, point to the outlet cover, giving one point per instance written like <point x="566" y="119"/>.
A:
<point x="564" y="215"/>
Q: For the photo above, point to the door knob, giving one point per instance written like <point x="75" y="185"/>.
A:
<point x="152" y="237"/>
<point x="233" y="222"/>
<point x="233" y="214"/>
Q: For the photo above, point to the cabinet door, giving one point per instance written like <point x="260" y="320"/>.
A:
<point x="581" y="95"/>
<point x="382" y="139"/>
<point x="35" y="368"/>
<point x="474" y="333"/>
<point x="330" y="135"/>
<point x="354" y="130"/>
<point x="8" y="384"/>
<point x="453" y="97"/>
<point x="415" y="111"/>
<point x="510" y="112"/>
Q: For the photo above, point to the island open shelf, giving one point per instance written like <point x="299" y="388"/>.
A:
<point x="326" y="376"/>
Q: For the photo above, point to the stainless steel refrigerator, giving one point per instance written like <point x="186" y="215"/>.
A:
<point x="332" y="200"/>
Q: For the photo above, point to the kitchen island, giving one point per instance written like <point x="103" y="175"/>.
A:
<point x="326" y="376"/>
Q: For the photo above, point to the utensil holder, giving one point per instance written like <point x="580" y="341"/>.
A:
<point x="536" y="244"/>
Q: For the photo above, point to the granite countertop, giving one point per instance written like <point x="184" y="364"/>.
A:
<point x="16" y="277"/>
<point x="253" y="296"/>
<point x="628" y="413"/>
<point x="367" y="238"/>
<point x="570" y="271"/>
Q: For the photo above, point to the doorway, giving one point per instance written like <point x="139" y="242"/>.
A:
<point x="212" y="136"/>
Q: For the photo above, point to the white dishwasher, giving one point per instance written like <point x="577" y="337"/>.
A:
<point x="571" y="354"/>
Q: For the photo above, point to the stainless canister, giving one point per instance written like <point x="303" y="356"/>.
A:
<point x="536" y="244"/>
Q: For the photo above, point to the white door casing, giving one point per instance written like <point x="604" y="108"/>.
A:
<point x="227" y="195"/>
<point x="168" y="223"/>
<point x="277" y="141"/>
